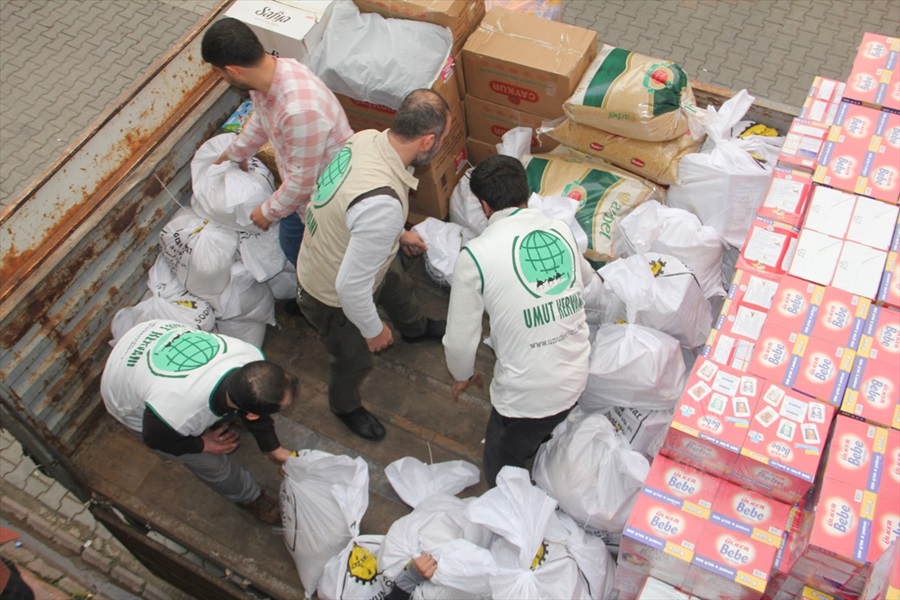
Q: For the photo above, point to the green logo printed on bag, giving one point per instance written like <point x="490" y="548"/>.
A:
<point x="665" y="82"/>
<point x="544" y="263"/>
<point x="179" y="352"/>
<point x="610" y="69"/>
<point x="332" y="178"/>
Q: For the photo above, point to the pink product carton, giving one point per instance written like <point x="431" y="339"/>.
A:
<point x="862" y="153"/>
<point x="659" y="541"/>
<point x="817" y="256"/>
<point x="892" y="462"/>
<point x="856" y="454"/>
<point x="889" y="289"/>
<point x="769" y="248"/>
<point x="859" y="269"/>
<point x="788" y="196"/>
<point x="681" y="486"/>
<point x="841" y="318"/>
<point x="824" y="370"/>
<point x="803" y="143"/>
<point x="777" y="354"/>
<point x="715" y="409"/>
<point x="843" y="525"/>
<point x="874" y="78"/>
<point x="729" y="565"/>
<point x="884" y="580"/>
<point x="751" y="514"/>
<point x="796" y="305"/>
<point x="881" y="336"/>
<point x="785" y="443"/>
<point x="873" y="393"/>
<point x="823" y="100"/>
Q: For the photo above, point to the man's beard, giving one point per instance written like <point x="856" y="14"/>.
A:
<point x="424" y="158"/>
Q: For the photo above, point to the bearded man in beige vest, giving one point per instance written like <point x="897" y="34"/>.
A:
<point x="349" y="258"/>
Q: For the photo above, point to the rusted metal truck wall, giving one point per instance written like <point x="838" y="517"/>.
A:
<point x="75" y="247"/>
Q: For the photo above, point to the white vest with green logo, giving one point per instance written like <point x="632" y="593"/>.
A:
<point x="366" y="163"/>
<point x="173" y="369"/>
<point x="532" y="289"/>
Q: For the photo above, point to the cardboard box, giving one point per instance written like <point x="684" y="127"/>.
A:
<point x="795" y="306"/>
<point x="682" y="486"/>
<point x="840" y="536"/>
<point x="769" y="248"/>
<point x="654" y="589"/>
<point x="803" y="143"/>
<point x="875" y="78"/>
<point x="823" y="100"/>
<point x="889" y="289"/>
<point x="856" y="454"/>
<point x="488" y="122"/>
<point x="784" y="444"/>
<point x="526" y="62"/>
<point x="862" y="153"/>
<point x="479" y="150"/>
<point x="751" y="514"/>
<point x="830" y="211"/>
<point x="873" y="223"/>
<point x="816" y="258"/>
<point x="777" y="355"/>
<point x="841" y="318"/>
<point x="824" y="370"/>
<point x="873" y="392"/>
<point x="881" y="336"/>
<point x="859" y="269"/>
<point x="715" y="410"/>
<point x="283" y="27"/>
<point x="788" y="195"/>
<point x="461" y="17"/>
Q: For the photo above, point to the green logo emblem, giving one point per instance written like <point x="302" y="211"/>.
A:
<point x="178" y="352"/>
<point x="544" y="262"/>
<point x="332" y="178"/>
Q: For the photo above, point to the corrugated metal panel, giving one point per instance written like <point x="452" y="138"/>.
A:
<point x="75" y="248"/>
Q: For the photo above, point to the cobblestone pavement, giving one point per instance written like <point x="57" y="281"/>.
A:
<point x="63" y="63"/>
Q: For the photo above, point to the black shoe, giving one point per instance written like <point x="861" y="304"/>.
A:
<point x="434" y="331"/>
<point x="364" y="424"/>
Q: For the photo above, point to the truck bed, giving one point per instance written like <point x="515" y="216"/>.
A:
<point x="409" y="390"/>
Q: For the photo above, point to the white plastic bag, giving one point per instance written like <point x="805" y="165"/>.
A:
<point x="465" y="209"/>
<point x="261" y="253"/>
<point x="652" y="227"/>
<point x="353" y="573"/>
<point x="658" y="291"/>
<point x="529" y="566"/>
<point x="444" y="241"/>
<point x="591" y="470"/>
<point x="590" y="553"/>
<point x="199" y="252"/>
<point x="414" y="481"/>
<point x="644" y="429"/>
<point x="724" y="185"/>
<point x="322" y="496"/>
<point x="245" y="307"/>
<point x="368" y="57"/>
<point x="225" y="193"/>
<point x="564" y="209"/>
<point x="633" y="366"/>
<point x="284" y="284"/>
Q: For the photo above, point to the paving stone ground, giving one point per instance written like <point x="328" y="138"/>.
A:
<point x="64" y="62"/>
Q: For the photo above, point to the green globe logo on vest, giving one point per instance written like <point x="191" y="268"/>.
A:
<point x="332" y="177"/>
<point x="179" y="352"/>
<point x="545" y="265"/>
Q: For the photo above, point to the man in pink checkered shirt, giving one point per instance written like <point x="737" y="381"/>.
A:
<point x="292" y="108"/>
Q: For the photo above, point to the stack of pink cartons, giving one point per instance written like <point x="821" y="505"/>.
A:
<point x="884" y="581"/>
<point x="856" y="512"/>
<point x="889" y="290"/>
<point x="873" y="392"/>
<point x="750" y="431"/>
<point x="703" y="535"/>
<point x="875" y="79"/>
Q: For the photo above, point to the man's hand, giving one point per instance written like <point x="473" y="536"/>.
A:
<point x="425" y="565"/>
<point x="279" y="455"/>
<point x="220" y="441"/>
<point x="223" y="158"/>
<point x="259" y="219"/>
<point x="382" y="340"/>
<point x="459" y="386"/>
<point x="412" y="243"/>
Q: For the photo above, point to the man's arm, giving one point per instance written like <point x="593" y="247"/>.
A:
<point x="159" y="436"/>
<point x="464" y="318"/>
<point x="263" y="430"/>
<point x="246" y="144"/>
<point x="375" y="224"/>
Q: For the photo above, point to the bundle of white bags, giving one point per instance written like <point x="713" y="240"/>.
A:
<point x="231" y="271"/>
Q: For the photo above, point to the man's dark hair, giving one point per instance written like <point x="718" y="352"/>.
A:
<point x="500" y="181"/>
<point x="422" y="112"/>
<point x="230" y="42"/>
<point x="259" y="387"/>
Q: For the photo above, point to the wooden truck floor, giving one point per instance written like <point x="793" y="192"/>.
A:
<point x="409" y="390"/>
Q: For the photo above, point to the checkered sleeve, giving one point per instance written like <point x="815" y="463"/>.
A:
<point x="248" y="142"/>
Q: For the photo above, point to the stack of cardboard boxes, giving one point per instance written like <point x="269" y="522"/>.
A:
<point x="797" y="392"/>
<point x="519" y="70"/>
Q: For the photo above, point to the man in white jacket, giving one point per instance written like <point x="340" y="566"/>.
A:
<point x="525" y="270"/>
